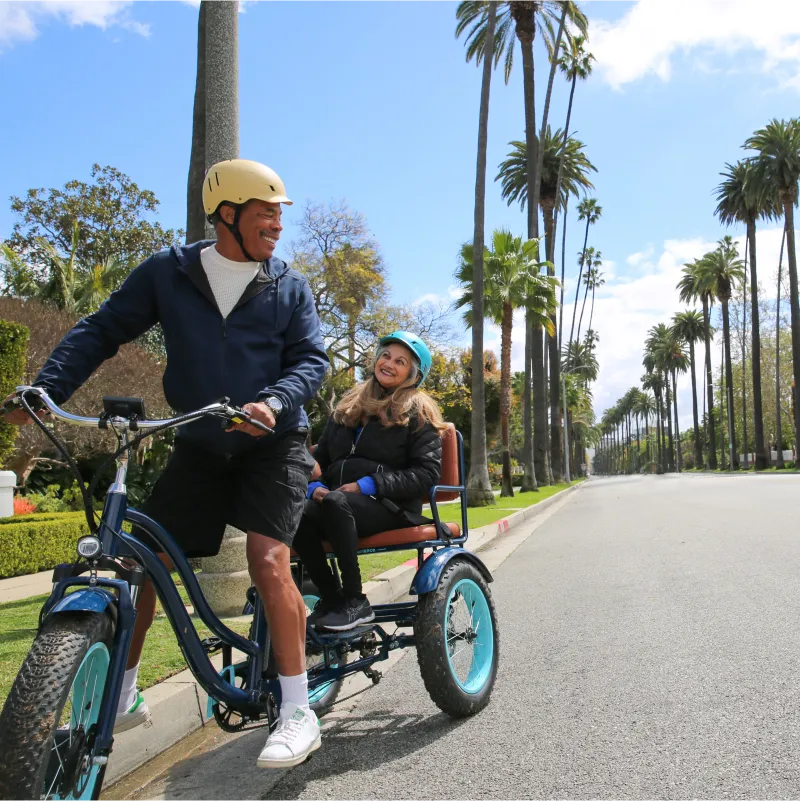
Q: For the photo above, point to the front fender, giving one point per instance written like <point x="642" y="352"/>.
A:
<point x="427" y="577"/>
<point x="90" y="599"/>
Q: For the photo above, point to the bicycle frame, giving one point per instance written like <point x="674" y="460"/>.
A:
<point x="97" y="596"/>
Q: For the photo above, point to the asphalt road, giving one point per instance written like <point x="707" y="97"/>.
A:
<point x="650" y="636"/>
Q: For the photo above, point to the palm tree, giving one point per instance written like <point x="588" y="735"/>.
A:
<point x="479" y="487"/>
<point x="589" y="210"/>
<point x="688" y="327"/>
<point x="528" y="17"/>
<point x="670" y="353"/>
<point x="593" y="261"/>
<point x="743" y="196"/>
<point x="645" y="406"/>
<point x="215" y="124"/>
<point x="656" y="357"/>
<point x="723" y="268"/>
<point x="512" y="280"/>
<point x="778" y="145"/>
<point x="694" y="285"/>
<point x="652" y="380"/>
<point x="779" y="463"/>
<point x="596" y="281"/>
<point x="575" y="63"/>
<point x="574" y="165"/>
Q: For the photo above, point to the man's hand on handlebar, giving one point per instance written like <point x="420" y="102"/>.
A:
<point x="261" y="413"/>
<point x="14" y="412"/>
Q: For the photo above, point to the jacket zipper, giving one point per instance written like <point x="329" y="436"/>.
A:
<point x="352" y="451"/>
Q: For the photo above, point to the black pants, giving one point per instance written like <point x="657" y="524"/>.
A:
<point x="341" y="519"/>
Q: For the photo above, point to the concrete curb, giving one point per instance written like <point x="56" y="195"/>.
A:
<point x="178" y="704"/>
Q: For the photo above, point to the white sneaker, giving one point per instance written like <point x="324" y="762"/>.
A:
<point x="295" y="737"/>
<point x="136" y="714"/>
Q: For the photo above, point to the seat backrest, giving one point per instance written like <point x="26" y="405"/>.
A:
<point x="449" y="476"/>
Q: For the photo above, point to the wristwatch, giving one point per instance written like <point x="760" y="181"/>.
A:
<point x="274" y="404"/>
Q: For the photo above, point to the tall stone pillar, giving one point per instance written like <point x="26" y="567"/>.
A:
<point x="224" y="578"/>
<point x="215" y="127"/>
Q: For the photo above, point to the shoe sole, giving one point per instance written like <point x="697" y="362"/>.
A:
<point x="289" y="763"/>
<point x="132" y="722"/>
<point x="360" y="622"/>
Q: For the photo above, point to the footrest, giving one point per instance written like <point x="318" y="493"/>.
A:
<point x="332" y="637"/>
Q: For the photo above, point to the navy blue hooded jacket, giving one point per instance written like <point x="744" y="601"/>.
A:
<point x="270" y="343"/>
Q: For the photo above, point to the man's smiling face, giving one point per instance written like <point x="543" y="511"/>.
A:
<point x="260" y="227"/>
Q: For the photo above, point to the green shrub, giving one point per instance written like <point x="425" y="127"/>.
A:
<point x="54" y="499"/>
<point x="13" y="352"/>
<point x="28" y="547"/>
<point x="42" y="517"/>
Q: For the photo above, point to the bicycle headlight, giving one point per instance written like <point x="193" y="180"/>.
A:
<point x="89" y="547"/>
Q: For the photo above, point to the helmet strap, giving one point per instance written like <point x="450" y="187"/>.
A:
<point x="234" y="229"/>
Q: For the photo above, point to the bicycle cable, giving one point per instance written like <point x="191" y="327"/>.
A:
<point x="88" y="505"/>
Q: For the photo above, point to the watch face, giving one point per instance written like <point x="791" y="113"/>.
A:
<point x="275" y="404"/>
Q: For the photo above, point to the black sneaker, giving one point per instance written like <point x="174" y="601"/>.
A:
<point x="353" y="612"/>
<point x="323" y="606"/>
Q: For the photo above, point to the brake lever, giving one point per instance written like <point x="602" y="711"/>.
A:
<point x="239" y="416"/>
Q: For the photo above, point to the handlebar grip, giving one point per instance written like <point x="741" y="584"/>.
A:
<point x="242" y="417"/>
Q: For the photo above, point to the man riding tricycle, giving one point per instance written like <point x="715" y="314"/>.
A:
<point x="237" y="323"/>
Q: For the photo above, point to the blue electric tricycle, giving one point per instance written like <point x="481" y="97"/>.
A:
<point x="56" y="728"/>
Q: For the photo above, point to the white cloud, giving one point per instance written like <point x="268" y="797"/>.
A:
<point x="652" y="33"/>
<point x="20" y="21"/>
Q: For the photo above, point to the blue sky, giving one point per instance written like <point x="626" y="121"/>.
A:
<point x="373" y="102"/>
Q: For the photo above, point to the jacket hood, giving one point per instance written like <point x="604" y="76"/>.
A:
<point x="185" y="255"/>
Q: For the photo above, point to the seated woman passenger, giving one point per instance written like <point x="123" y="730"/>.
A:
<point x="383" y="443"/>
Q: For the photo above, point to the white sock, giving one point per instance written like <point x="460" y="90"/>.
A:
<point x="128" y="693"/>
<point x="294" y="690"/>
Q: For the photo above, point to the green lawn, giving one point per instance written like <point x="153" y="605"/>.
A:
<point x="162" y="657"/>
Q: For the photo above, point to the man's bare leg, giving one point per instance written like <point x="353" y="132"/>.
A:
<point x="269" y="563"/>
<point x="297" y="733"/>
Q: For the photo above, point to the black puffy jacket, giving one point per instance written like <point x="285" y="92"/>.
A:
<point x="403" y="461"/>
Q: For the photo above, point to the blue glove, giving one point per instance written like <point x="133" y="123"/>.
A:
<point x="312" y="486"/>
<point x="367" y="485"/>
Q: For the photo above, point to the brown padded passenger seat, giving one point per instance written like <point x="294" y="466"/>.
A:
<point x="413" y="534"/>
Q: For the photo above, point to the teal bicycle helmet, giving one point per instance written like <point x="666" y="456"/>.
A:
<point x="420" y="350"/>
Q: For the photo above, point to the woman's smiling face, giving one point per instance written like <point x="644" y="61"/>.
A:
<point x="394" y="366"/>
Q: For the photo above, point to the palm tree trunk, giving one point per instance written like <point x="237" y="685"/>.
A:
<point x="659" y="436"/>
<point x="591" y="308"/>
<point x="563" y="271"/>
<point x="540" y="461"/>
<point x="638" y="444"/>
<point x="647" y="441"/>
<point x="479" y="486"/>
<point x="534" y="380"/>
<point x="580" y="277"/>
<point x="726" y="334"/>
<point x="779" y="463"/>
<point x="679" y="463"/>
<point x="745" y="450"/>
<point x="583" y="308"/>
<point x="556" y="449"/>
<point x="788" y="210"/>
<point x="698" y="448"/>
<point x="529" y="483"/>
<point x="506" y="490"/>
<point x="712" y="439"/>
<point x="215" y="134"/>
<point x="195" y="215"/>
<point x="671" y="450"/>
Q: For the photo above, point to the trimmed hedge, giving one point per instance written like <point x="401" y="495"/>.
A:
<point x="42" y="517"/>
<point x="28" y="546"/>
<point x="13" y="353"/>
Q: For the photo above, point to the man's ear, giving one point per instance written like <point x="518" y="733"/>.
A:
<point x="227" y="213"/>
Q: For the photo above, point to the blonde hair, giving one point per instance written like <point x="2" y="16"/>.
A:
<point x="396" y="408"/>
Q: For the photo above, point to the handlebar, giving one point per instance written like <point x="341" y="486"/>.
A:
<point x="223" y="410"/>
